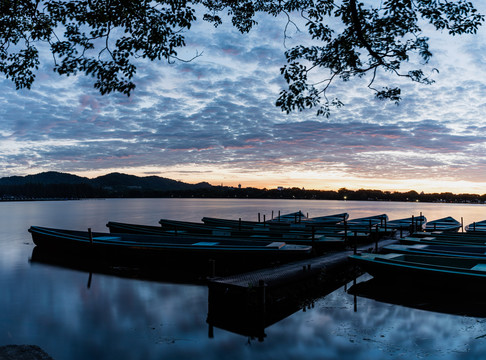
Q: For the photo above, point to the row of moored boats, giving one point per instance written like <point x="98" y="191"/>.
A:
<point x="439" y="257"/>
<point x="283" y="238"/>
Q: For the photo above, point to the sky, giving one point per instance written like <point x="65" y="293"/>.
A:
<point x="214" y="119"/>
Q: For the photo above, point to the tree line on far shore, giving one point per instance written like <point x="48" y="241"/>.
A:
<point x="86" y="191"/>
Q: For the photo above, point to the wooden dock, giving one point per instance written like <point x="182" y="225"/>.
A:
<point x="248" y="303"/>
<point x="293" y="272"/>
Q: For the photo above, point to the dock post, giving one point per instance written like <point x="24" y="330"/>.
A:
<point x="90" y="234"/>
<point x="462" y="224"/>
<point x="239" y="224"/>
<point x="261" y="296"/>
<point x="89" y="280"/>
<point x="212" y="268"/>
<point x="258" y="217"/>
<point x="264" y="219"/>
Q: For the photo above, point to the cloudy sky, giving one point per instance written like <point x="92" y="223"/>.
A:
<point x="214" y="119"/>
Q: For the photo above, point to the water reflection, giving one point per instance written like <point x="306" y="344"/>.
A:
<point x="133" y="317"/>
<point x="446" y="302"/>
<point x="249" y="312"/>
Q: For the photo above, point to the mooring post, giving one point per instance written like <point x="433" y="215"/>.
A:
<point x="258" y="217"/>
<point x="462" y="224"/>
<point x="345" y="232"/>
<point x="264" y="218"/>
<point x="377" y="237"/>
<point x="90" y="234"/>
<point x="239" y="224"/>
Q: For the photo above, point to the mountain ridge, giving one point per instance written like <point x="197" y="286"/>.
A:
<point x="113" y="180"/>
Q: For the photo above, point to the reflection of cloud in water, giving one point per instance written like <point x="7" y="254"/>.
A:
<point x="133" y="319"/>
<point x="332" y="330"/>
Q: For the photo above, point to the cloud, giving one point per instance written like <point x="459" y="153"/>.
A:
<point x="218" y="111"/>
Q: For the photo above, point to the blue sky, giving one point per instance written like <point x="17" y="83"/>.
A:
<point x="214" y="119"/>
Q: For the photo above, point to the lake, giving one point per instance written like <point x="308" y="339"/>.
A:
<point x="73" y="314"/>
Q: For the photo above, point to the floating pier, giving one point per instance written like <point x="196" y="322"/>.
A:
<point x="247" y="303"/>
<point x="325" y="269"/>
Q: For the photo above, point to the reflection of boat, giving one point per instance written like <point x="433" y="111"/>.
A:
<point x="434" y="271"/>
<point x="453" y="303"/>
<point x="169" y="271"/>
<point x="157" y="248"/>
<point x="318" y="242"/>
<point x="479" y="226"/>
<point x="444" y="224"/>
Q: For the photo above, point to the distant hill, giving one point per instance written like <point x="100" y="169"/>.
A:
<point x="50" y="177"/>
<point x="115" y="182"/>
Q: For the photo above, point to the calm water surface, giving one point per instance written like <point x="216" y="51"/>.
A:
<point x="123" y="318"/>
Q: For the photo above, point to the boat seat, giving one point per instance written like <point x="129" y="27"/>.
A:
<point x="479" y="267"/>
<point x="276" y="244"/>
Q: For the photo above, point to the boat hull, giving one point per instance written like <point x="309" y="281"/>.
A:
<point x="132" y="248"/>
<point x="441" y="272"/>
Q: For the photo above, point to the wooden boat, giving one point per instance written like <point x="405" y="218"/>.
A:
<point x="444" y="224"/>
<point x="295" y="217"/>
<point x="471" y="251"/>
<point x="156" y="247"/>
<point x="416" y="222"/>
<point x="201" y="228"/>
<point x="369" y="220"/>
<point x="479" y="226"/>
<point x="444" y="272"/>
<point x="319" y="243"/>
<point x="275" y="224"/>
<point x="445" y="238"/>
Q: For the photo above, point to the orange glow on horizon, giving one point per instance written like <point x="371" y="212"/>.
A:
<point x="313" y="181"/>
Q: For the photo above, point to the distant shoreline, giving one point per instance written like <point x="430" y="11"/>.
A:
<point x="289" y="194"/>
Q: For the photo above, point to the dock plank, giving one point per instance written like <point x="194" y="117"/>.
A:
<point x="291" y="272"/>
